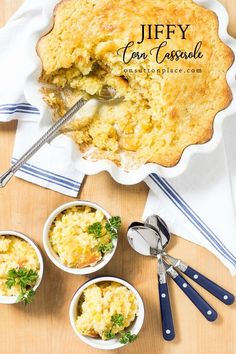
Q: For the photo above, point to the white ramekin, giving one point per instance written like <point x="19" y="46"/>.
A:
<point x="112" y="343"/>
<point x="52" y="254"/>
<point x="13" y="299"/>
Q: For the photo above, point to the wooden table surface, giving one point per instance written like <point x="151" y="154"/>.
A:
<point x="44" y="328"/>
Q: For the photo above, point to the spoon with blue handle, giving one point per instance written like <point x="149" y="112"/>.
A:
<point x="168" y="330"/>
<point x="202" y="305"/>
<point x="158" y="224"/>
<point x="220" y="293"/>
<point x="146" y="241"/>
<point x="139" y="239"/>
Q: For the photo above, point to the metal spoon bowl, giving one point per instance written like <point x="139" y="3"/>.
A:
<point x="159" y="225"/>
<point x="142" y="240"/>
<point x="107" y="94"/>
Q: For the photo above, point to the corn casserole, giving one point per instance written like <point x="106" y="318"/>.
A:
<point x="15" y="253"/>
<point x="72" y="241"/>
<point x="164" y="57"/>
<point x="98" y="306"/>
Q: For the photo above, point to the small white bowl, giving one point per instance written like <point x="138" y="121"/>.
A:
<point x="112" y="343"/>
<point x="52" y="254"/>
<point x="13" y="299"/>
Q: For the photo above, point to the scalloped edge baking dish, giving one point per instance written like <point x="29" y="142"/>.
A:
<point x="34" y="97"/>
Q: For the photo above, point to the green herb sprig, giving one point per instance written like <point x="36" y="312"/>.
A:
<point x="26" y="279"/>
<point x="125" y="337"/>
<point x="105" y="248"/>
<point x="118" y="319"/>
<point x="95" y="229"/>
<point x="26" y="296"/>
<point x="108" y="334"/>
<point x="112" y="227"/>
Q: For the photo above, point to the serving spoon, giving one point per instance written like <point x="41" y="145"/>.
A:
<point x="136" y="235"/>
<point x="158" y="224"/>
<point x="106" y="94"/>
<point x="141" y="241"/>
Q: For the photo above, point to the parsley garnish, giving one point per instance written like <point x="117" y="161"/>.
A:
<point x="95" y="229"/>
<point x="127" y="337"/>
<point x="108" y="334"/>
<point x="118" y="319"/>
<point x="112" y="226"/>
<point x="105" y="248"/>
<point x="27" y="296"/>
<point x="26" y="279"/>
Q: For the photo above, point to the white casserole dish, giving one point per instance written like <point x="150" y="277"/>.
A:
<point x="13" y="299"/>
<point x="34" y="97"/>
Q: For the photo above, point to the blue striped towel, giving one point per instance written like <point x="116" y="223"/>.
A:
<point x="50" y="167"/>
<point x="200" y="204"/>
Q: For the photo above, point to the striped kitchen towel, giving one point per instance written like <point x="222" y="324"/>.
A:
<point x="200" y="205"/>
<point x="50" y="167"/>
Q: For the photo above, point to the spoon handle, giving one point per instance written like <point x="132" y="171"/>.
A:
<point x="202" y="305"/>
<point x="223" y="295"/>
<point x="216" y="290"/>
<point x="50" y="133"/>
<point x="168" y="330"/>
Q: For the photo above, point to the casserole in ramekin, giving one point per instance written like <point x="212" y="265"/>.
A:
<point x="114" y="343"/>
<point x="50" y="249"/>
<point x="10" y="233"/>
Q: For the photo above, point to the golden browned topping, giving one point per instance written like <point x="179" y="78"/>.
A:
<point x="169" y="103"/>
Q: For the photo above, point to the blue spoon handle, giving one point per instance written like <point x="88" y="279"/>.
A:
<point x="225" y="296"/>
<point x="168" y="330"/>
<point x="208" y="312"/>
